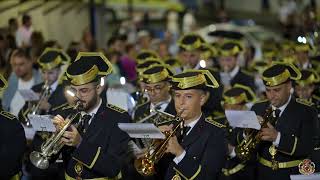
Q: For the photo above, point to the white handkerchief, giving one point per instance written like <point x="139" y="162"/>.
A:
<point x="243" y="119"/>
<point x="315" y="176"/>
<point x="141" y="130"/>
<point x="29" y="95"/>
<point x="42" y="123"/>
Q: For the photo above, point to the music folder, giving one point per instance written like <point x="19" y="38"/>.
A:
<point x="141" y="130"/>
<point x="42" y="123"/>
<point x="243" y="119"/>
<point x="315" y="176"/>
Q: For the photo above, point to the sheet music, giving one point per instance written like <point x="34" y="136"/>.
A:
<point x="243" y="119"/>
<point x="141" y="130"/>
<point x="29" y="95"/>
<point x="42" y="123"/>
<point x="315" y="176"/>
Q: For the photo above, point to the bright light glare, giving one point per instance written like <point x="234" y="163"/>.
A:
<point x="122" y="80"/>
<point x="202" y="63"/>
<point x="71" y="93"/>
<point x="102" y="82"/>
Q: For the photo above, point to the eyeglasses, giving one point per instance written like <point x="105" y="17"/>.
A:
<point x="156" y="89"/>
<point x="83" y="91"/>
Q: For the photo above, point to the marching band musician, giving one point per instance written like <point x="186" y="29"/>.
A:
<point x="305" y="89"/>
<point x="190" y="49"/>
<point x="156" y="84"/>
<point x="50" y="63"/>
<point x="201" y="152"/>
<point x="237" y="99"/>
<point x="99" y="144"/>
<point x="287" y="142"/>
<point x="13" y="143"/>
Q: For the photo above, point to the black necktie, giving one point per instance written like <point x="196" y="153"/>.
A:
<point x="277" y="113"/>
<point x="185" y="131"/>
<point x="85" y="122"/>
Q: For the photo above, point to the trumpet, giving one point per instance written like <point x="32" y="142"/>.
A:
<point x="146" y="164"/>
<point x="53" y="145"/>
<point x="247" y="147"/>
<point x="34" y="107"/>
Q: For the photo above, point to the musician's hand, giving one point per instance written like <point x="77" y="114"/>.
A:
<point x="44" y="105"/>
<point x="166" y="128"/>
<point x="72" y="137"/>
<point x="174" y="147"/>
<point x="269" y="133"/>
<point x="58" y="122"/>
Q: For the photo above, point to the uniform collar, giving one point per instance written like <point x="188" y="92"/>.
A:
<point x="193" y="123"/>
<point x="54" y="86"/>
<point x="283" y="107"/>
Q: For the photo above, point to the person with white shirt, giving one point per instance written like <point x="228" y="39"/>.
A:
<point x="201" y="152"/>
<point x="23" y="34"/>
<point x="22" y="77"/>
<point x="302" y="51"/>
<point x="98" y="146"/>
<point x="287" y="142"/>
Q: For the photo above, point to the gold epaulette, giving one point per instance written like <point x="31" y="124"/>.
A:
<point x="7" y="115"/>
<point x="304" y="101"/>
<point x="215" y="123"/>
<point x="116" y="108"/>
<point x="60" y="106"/>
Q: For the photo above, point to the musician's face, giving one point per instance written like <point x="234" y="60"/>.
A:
<point x="157" y="92"/>
<point x="190" y="58"/>
<point x="304" y="92"/>
<point x="89" y="94"/>
<point x="228" y="63"/>
<point x="279" y="95"/>
<point x="190" y="101"/>
<point x="51" y="75"/>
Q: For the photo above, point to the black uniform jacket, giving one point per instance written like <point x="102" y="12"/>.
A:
<point x="12" y="146"/>
<point x="103" y="146"/>
<point x="296" y="126"/>
<point x="205" y="148"/>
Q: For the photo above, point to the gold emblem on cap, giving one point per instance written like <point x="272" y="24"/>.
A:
<point x="307" y="167"/>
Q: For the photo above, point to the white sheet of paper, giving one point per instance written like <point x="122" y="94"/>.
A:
<point x="315" y="176"/>
<point x="29" y="95"/>
<point x="243" y="119"/>
<point x="118" y="97"/>
<point x="29" y="132"/>
<point x="42" y="123"/>
<point x="141" y="130"/>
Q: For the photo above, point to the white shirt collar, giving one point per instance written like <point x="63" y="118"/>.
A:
<point x="193" y="123"/>
<point x="234" y="71"/>
<point x="54" y="86"/>
<point x="283" y="107"/>
<point x="163" y="104"/>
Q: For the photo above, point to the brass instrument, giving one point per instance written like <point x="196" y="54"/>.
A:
<point x="34" y="107"/>
<point x="146" y="164"/>
<point x="53" y="145"/>
<point x="247" y="147"/>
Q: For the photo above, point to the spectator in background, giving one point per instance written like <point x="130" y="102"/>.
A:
<point x="73" y="49"/>
<point x="37" y="44"/>
<point x="144" y="40"/>
<point x="24" y="32"/>
<point x="12" y="26"/>
<point x="128" y="63"/>
<point x="88" y="43"/>
<point x="22" y="77"/>
<point x="163" y="50"/>
<point x="114" y="77"/>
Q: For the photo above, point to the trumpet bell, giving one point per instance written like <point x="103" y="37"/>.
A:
<point x="38" y="160"/>
<point x="144" y="166"/>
